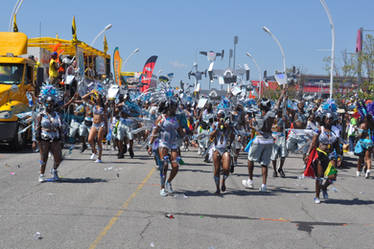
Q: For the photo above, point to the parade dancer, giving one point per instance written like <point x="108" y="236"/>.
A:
<point x="169" y="129"/>
<point x="238" y="118"/>
<point x="279" y="148"/>
<point x="48" y="131"/>
<point x="321" y="157"/>
<point x="294" y="142"/>
<point x="77" y="118"/>
<point x="262" y="145"/>
<point x="203" y="126"/>
<point x="222" y="137"/>
<point x="99" y="125"/>
<point x="366" y="144"/>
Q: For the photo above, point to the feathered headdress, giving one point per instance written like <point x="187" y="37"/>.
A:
<point x="47" y="91"/>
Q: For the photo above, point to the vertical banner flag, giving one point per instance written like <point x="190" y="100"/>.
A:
<point x="117" y="66"/>
<point x="74" y="30"/>
<point x="105" y="44"/>
<point x="147" y="72"/>
<point x="359" y="41"/>
<point x="15" y="27"/>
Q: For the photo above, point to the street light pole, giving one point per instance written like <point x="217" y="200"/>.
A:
<point x="284" y="112"/>
<point x="324" y="5"/>
<point x="259" y="73"/>
<point x="133" y="52"/>
<point x="280" y="47"/>
<point x="99" y="34"/>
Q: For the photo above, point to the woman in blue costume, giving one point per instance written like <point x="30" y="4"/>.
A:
<point x="168" y="130"/>
<point x="366" y="143"/>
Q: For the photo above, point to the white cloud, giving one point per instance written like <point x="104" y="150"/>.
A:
<point x="177" y="64"/>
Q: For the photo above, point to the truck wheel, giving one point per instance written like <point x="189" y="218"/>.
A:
<point x="18" y="140"/>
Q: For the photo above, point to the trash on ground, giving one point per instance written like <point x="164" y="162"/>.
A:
<point x="152" y="244"/>
<point x="37" y="236"/>
<point x="170" y="216"/>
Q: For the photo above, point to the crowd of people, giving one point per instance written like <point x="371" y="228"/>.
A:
<point x="167" y="121"/>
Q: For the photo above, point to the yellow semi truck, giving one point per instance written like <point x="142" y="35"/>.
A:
<point x="16" y="79"/>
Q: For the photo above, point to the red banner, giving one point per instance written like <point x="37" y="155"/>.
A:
<point x="359" y="41"/>
<point x="147" y="72"/>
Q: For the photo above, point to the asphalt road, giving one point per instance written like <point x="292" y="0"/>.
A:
<point x="117" y="204"/>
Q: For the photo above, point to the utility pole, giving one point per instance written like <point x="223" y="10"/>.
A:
<point x="235" y="42"/>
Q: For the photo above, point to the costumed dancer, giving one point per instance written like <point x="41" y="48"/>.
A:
<point x="222" y="137"/>
<point x="262" y="145"/>
<point x="169" y="130"/>
<point x="321" y="157"/>
<point x="279" y="148"/>
<point x="48" y="131"/>
<point x="364" y="145"/>
<point x="99" y="124"/>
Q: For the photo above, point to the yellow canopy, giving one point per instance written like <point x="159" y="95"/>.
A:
<point x="67" y="46"/>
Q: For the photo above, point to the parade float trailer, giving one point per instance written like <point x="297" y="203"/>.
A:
<point x="85" y="55"/>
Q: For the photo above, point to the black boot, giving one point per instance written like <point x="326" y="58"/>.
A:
<point x="131" y="153"/>
<point x="83" y="148"/>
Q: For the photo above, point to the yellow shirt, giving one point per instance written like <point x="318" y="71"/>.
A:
<point x="52" y="71"/>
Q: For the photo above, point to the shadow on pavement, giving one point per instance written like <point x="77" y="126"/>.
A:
<point x="81" y="180"/>
<point x="228" y="192"/>
<point x="289" y="190"/>
<point x="354" y="201"/>
<point x="196" y="170"/>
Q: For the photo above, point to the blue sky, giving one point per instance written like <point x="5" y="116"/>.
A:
<point x="175" y="30"/>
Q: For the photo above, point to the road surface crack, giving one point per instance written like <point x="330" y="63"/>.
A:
<point x="145" y="228"/>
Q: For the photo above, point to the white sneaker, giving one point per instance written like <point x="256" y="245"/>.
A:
<point x="98" y="161"/>
<point x="367" y="175"/>
<point x="263" y="188"/>
<point x="358" y="173"/>
<point x="92" y="156"/>
<point x="248" y="183"/>
<point x="163" y="193"/>
<point x="316" y="200"/>
<point x="169" y="188"/>
<point x="41" y="178"/>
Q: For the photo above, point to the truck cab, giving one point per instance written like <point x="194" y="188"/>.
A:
<point x="16" y="79"/>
